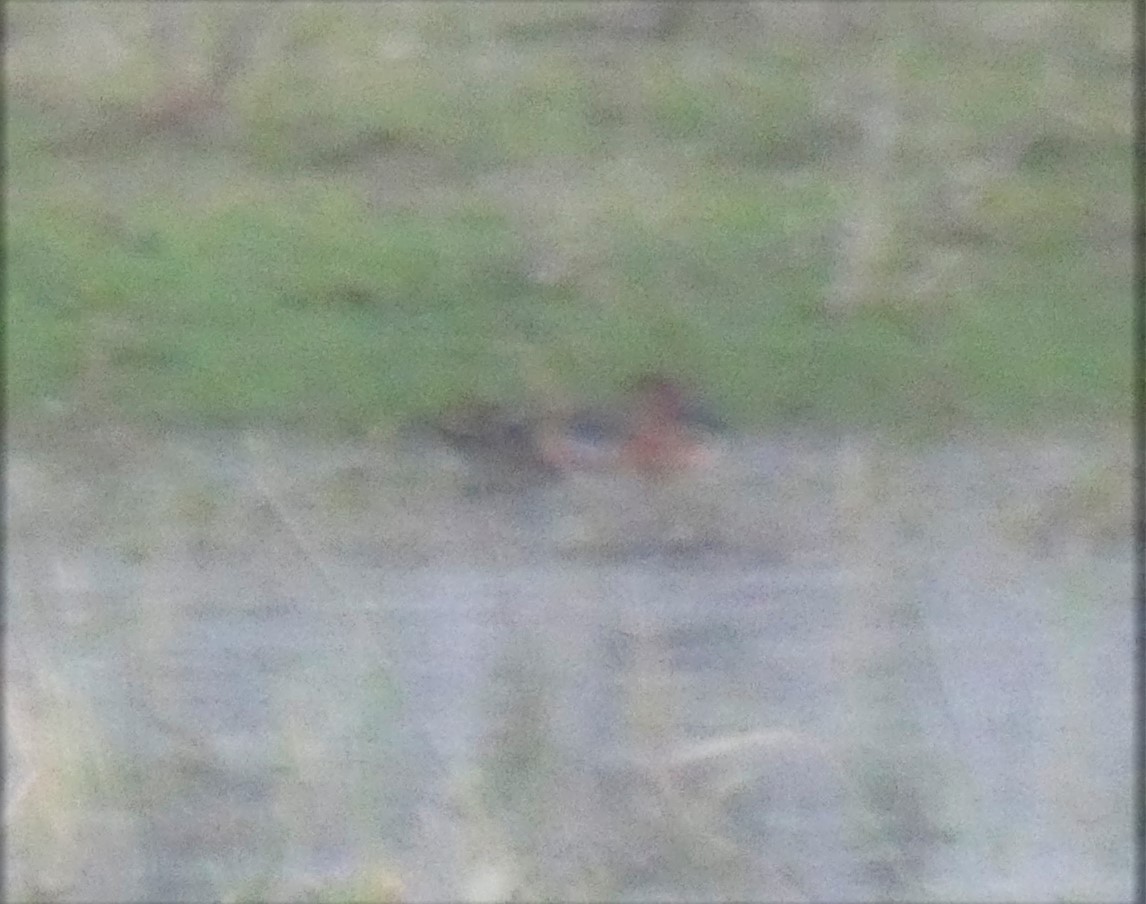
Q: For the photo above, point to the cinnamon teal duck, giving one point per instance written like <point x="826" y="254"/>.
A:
<point x="500" y="447"/>
<point x="669" y="431"/>
<point x="661" y="430"/>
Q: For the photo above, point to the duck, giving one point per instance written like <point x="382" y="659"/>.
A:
<point x="662" y="430"/>
<point x="669" y="430"/>
<point x="500" y="446"/>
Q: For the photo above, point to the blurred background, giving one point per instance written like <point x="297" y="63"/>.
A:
<point x="268" y="638"/>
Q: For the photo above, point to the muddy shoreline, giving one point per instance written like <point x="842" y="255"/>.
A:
<point x="823" y="671"/>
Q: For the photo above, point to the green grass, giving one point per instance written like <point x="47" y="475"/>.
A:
<point x="364" y="240"/>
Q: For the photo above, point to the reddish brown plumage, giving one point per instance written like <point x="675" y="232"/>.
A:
<point x="661" y="432"/>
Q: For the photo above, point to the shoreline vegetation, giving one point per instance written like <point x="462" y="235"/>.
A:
<point x="338" y="218"/>
<point x="265" y="645"/>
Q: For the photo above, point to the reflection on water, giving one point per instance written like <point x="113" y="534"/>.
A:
<point x="259" y="669"/>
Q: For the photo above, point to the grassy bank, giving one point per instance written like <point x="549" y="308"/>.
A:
<point x="383" y="206"/>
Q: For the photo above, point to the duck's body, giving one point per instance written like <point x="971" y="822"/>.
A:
<point x="661" y="432"/>
<point x="502" y="449"/>
<point x="669" y="432"/>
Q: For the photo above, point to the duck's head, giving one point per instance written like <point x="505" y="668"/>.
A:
<point x="669" y="431"/>
<point x="660" y="398"/>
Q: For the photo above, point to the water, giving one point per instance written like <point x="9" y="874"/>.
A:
<point x="825" y="672"/>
